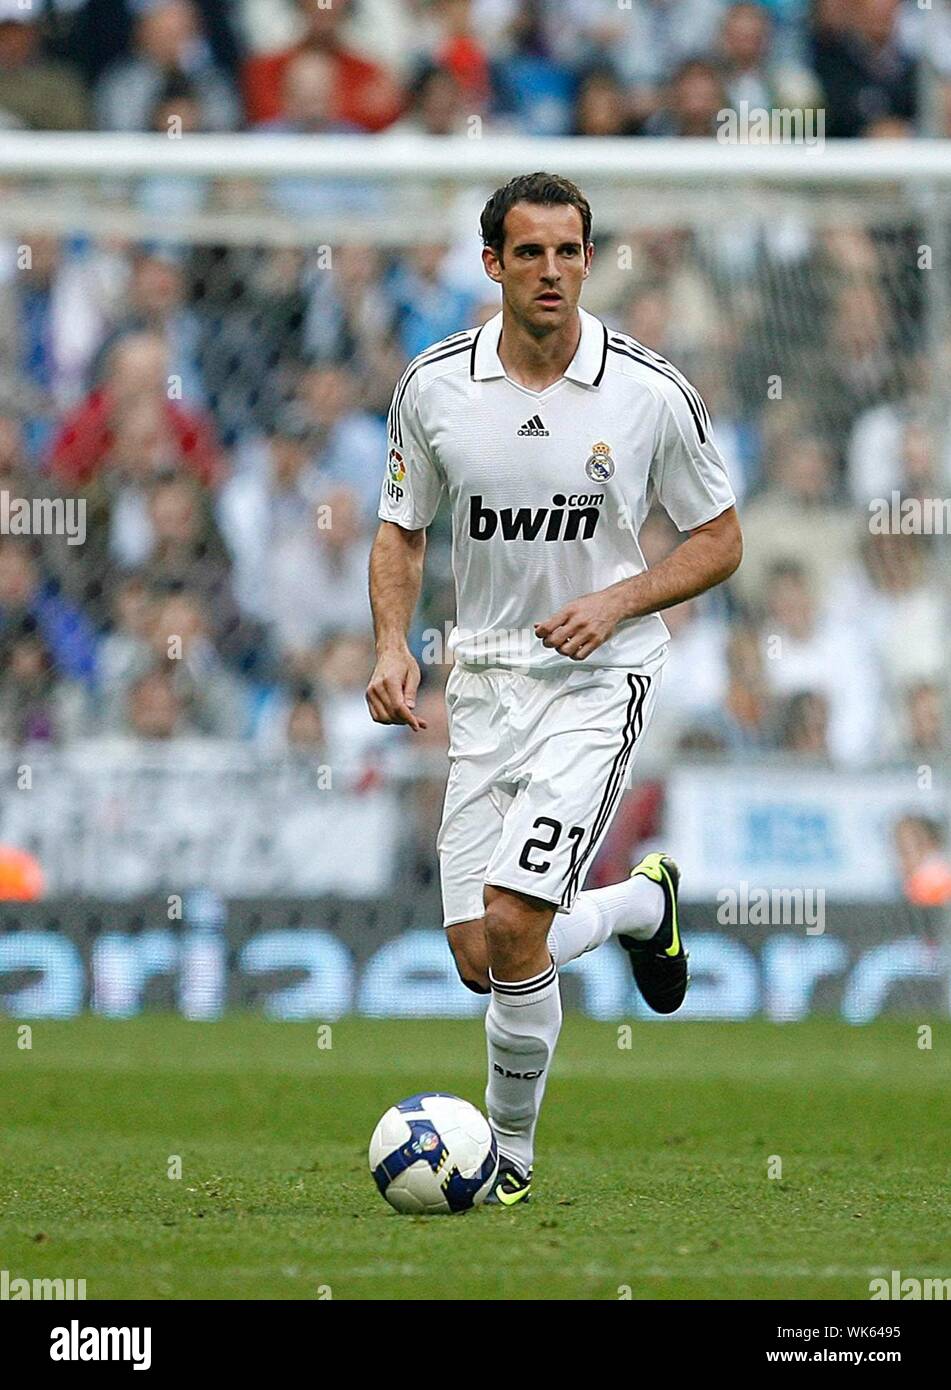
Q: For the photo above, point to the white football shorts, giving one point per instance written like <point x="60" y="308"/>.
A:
<point x="538" y="764"/>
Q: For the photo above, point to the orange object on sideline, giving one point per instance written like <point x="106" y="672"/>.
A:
<point x="930" y="884"/>
<point x="21" y="878"/>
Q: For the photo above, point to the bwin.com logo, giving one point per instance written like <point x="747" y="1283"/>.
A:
<point x="569" y="518"/>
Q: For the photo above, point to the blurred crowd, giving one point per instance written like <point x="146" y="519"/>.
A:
<point x="539" y="67"/>
<point x="221" y="409"/>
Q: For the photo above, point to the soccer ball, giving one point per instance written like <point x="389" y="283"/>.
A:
<point x="433" y="1153"/>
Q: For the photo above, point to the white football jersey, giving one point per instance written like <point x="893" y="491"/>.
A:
<point x="548" y="489"/>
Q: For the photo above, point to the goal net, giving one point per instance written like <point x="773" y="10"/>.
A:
<point x="198" y="342"/>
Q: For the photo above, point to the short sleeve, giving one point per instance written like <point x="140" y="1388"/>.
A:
<point x="414" y="482"/>
<point x="689" y="475"/>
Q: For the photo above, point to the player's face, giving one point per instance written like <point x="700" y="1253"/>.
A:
<point x="543" y="265"/>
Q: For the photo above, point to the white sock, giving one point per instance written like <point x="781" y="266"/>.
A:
<point x="631" y="908"/>
<point x="522" y="1024"/>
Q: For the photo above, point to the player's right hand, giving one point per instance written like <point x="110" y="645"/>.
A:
<point x="391" y="694"/>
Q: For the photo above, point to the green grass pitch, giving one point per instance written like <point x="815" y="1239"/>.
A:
<point x="651" y="1169"/>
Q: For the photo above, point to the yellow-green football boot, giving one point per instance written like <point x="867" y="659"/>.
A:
<point x="660" y="964"/>
<point x="511" y="1188"/>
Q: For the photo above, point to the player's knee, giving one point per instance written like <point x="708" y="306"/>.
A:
<point x="504" y="930"/>
<point x="511" y="934"/>
<point x="472" y="963"/>
<point x="477" y="986"/>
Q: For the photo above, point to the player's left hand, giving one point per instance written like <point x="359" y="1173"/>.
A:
<point x="581" y="626"/>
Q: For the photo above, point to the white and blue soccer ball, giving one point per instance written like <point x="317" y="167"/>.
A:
<point x="434" y="1154"/>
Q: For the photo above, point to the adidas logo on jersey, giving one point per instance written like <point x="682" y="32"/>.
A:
<point x="534" y="426"/>
<point x="562" y="522"/>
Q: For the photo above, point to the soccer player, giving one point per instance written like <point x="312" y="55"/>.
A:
<point x="550" y="433"/>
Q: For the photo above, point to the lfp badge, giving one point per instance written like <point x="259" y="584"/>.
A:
<point x="397" y="468"/>
<point x="600" y="465"/>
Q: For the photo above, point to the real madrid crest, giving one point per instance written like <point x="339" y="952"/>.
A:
<point x="600" y="465"/>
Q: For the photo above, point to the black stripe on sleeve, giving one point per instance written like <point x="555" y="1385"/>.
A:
<point x="655" y="367"/>
<point x="604" y="360"/>
<point x="397" y="431"/>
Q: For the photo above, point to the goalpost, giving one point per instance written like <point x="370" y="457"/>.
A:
<point x="780" y="232"/>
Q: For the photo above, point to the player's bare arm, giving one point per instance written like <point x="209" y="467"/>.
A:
<point x="709" y="555"/>
<point x="396" y="572"/>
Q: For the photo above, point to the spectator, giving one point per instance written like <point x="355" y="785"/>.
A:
<point x="892" y="449"/>
<point x="746" y="704"/>
<point x="307" y="98"/>
<point x="661" y="294"/>
<point x="427" y="306"/>
<point x="863" y="70"/>
<point x="350" y="311"/>
<point x="648" y="316"/>
<point x="459" y="51"/>
<point x="16" y="475"/>
<point x="36" y="92"/>
<point x="646" y="41"/>
<point x="921" y="726"/>
<point x="349" y="444"/>
<point x="695" y="673"/>
<point x="744" y="44"/>
<point x="601" y="106"/>
<point x="806" y="653"/>
<point x="695" y="96"/>
<point x="893" y="598"/>
<point x="153" y="709"/>
<point x="749" y="73"/>
<point x="175" y="113"/>
<point x="341" y="668"/>
<point x="305" y="723"/>
<point x="35" y="706"/>
<point x="167" y="44"/>
<point x="363" y="94"/>
<point x="436" y="105"/>
<point x="318" y="578"/>
<point x="922" y="855"/>
<point x="137" y="371"/>
<point x="261" y="510"/>
<point x="250" y="342"/>
<point x="860" y="366"/>
<point x="27" y="597"/>
<point x="19" y="479"/>
<point x="188" y="553"/>
<point x="139" y="455"/>
<point x="331" y="676"/>
<point x="54" y="311"/>
<point x="155" y="303"/>
<point x="533" y="86"/>
<point x="133" y="608"/>
<point x="803" y="725"/>
<point x="308" y="109"/>
<point x="797" y="517"/>
<point x="178" y="659"/>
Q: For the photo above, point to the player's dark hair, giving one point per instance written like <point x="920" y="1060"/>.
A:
<point x="545" y="189"/>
